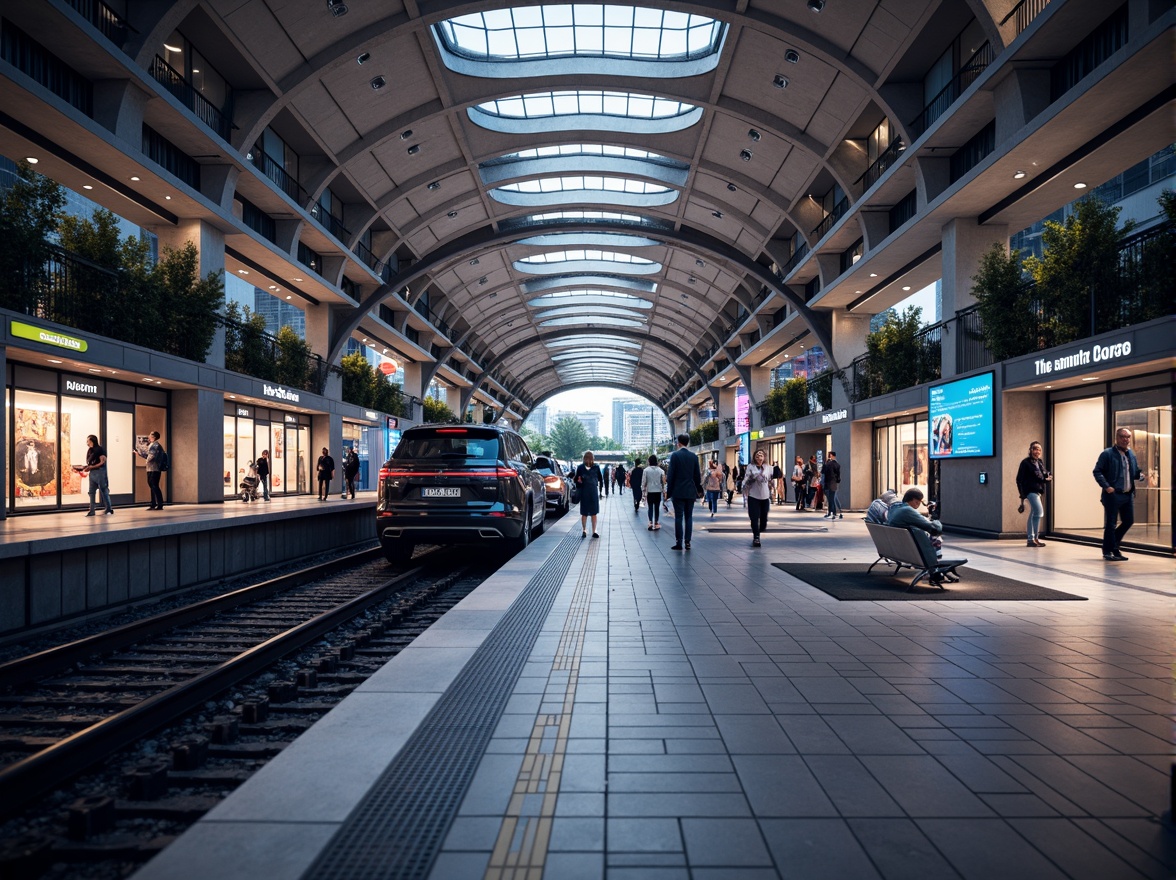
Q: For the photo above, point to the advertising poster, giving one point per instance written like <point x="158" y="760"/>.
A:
<point x="960" y="418"/>
<point x="279" y="432"/>
<point x="142" y="441"/>
<point x="35" y="452"/>
<point x="742" y="411"/>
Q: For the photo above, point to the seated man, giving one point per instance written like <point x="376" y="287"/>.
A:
<point x="904" y="514"/>
<point x="880" y="507"/>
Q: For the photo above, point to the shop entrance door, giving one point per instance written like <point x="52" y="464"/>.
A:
<point x="120" y="451"/>
<point x="1151" y="438"/>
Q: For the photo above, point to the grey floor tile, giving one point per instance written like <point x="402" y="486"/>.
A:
<point x="577" y="834"/>
<point x="817" y="849"/>
<point x="782" y="785"/>
<point x="851" y="788"/>
<point x="473" y="833"/>
<point x="922" y="786"/>
<point x="753" y="734"/>
<point x="811" y="735"/>
<point x="1081" y="856"/>
<point x="672" y="782"/>
<point x="459" y="864"/>
<point x="901" y="851"/>
<point x="705" y="804"/>
<point x="981" y="849"/>
<point x="872" y="735"/>
<point x="1079" y="787"/>
<point x="724" y="843"/>
<point x="639" y="835"/>
<point x="573" y="866"/>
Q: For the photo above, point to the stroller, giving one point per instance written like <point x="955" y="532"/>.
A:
<point x="249" y="484"/>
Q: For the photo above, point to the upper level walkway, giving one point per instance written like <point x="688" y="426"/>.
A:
<point x="614" y="708"/>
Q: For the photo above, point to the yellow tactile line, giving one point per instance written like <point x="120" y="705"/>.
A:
<point x="520" y="852"/>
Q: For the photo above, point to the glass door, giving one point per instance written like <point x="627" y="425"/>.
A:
<point x="1151" y="438"/>
<point x="120" y="451"/>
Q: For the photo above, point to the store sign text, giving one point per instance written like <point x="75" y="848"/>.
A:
<point x="1083" y="357"/>
<point x="28" y="331"/>
<point x="279" y="393"/>
<point x="80" y="387"/>
<point x="826" y="418"/>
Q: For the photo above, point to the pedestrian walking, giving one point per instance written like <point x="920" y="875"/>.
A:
<point x="1032" y="475"/>
<point x="757" y="491"/>
<point x="589" y="479"/>
<point x="607" y="478"/>
<point x="713" y="485"/>
<point x="684" y="484"/>
<point x="326" y="472"/>
<point x="350" y="471"/>
<point x="812" y="479"/>
<point x="798" y="482"/>
<point x="619" y="473"/>
<point x="777" y="483"/>
<point x="653" y="487"/>
<point x="96" y="470"/>
<point x="263" y="473"/>
<point x="635" y="484"/>
<point x="728" y="485"/>
<point x="1117" y="472"/>
<point x="831" y="480"/>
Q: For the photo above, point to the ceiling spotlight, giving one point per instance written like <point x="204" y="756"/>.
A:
<point x="873" y="274"/>
<point x="242" y="271"/>
<point x="1018" y="175"/>
<point x="699" y="263"/>
<point x="135" y="178"/>
<point x="168" y="198"/>
<point x="494" y="295"/>
<point x="273" y="287"/>
<point x="338" y="7"/>
<point x="1080" y="185"/>
<point x="780" y="81"/>
<point x="288" y="296"/>
<point x="32" y="160"/>
<point x="482" y="280"/>
<point x="908" y="287"/>
<point x="434" y="186"/>
<point x="175" y="49"/>
<point x="86" y="186"/>
<point x="378" y="83"/>
<point x="745" y="155"/>
<point x="414" y="149"/>
<point x="451" y="214"/>
<point x="816" y="5"/>
<point x="691" y="280"/>
<point x="791" y="56"/>
<point x="474" y="261"/>
<point x="753" y="134"/>
<point x="717" y="214"/>
<point x="363" y="58"/>
<point x="297" y="279"/>
<point x="406" y="134"/>
<point x="732" y="187"/>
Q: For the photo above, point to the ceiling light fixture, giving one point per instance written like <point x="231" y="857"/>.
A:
<point x="732" y="187"/>
<point x="297" y="279"/>
<point x="434" y="186"/>
<point x="816" y="5"/>
<point x="175" y="49"/>
<point x="792" y="56"/>
<point x="718" y="214"/>
<point x="414" y="149"/>
<point x="1080" y="185"/>
<point x="167" y="198"/>
<point x="1019" y="175"/>
<point x="273" y="287"/>
<point x="451" y="214"/>
<point x="134" y="178"/>
<point x="406" y="134"/>
<point x="482" y="280"/>
<point x="32" y="160"/>
<point x="288" y="296"/>
<point x="378" y="82"/>
<point x="242" y="271"/>
<point x="363" y="58"/>
<point x="753" y="134"/>
<point x="780" y="81"/>
<point x="339" y="8"/>
<point x="699" y="263"/>
<point x="86" y="186"/>
<point x="494" y="295"/>
<point x="52" y="361"/>
<point x="908" y="287"/>
<point x="474" y="261"/>
<point x="745" y="155"/>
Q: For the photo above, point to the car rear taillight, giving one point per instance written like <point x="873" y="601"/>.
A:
<point x="552" y="481"/>
<point x="506" y="473"/>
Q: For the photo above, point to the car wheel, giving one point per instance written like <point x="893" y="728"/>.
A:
<point x="398" y="551"/>
<point x="520" y="543"/>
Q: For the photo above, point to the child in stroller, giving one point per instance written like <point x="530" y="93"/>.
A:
<point x="249" y="484"/>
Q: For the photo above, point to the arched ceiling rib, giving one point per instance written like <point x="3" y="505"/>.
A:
<point x="418" y="172"/>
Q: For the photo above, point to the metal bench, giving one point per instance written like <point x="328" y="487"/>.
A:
<point x="911" y="548"/>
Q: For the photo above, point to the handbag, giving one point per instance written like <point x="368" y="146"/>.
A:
<point x="575" y="494"/>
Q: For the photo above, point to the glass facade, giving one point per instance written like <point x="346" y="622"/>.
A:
<point x="249" y="430"/>
<point x="901" y="461"/>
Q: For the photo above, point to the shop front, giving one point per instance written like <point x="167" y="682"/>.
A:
<point x="367" y="439"/>
<point x="249" y="430"/>
<point x="47" y="417"/>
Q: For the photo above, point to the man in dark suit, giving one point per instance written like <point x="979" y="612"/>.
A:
<point x="1117" y="471"/>
<point x="683" y="484"/>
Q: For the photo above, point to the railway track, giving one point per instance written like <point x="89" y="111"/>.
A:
<point x="256" y="667"/>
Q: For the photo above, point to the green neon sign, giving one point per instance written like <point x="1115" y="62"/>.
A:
<point x="48" y="337"/>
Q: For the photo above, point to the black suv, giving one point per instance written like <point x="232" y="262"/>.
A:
<point x="448" y="484"/>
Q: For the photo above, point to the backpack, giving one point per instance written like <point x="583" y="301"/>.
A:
<point x="162" y="460"/>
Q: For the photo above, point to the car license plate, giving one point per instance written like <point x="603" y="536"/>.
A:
<point x="440" y="492"/>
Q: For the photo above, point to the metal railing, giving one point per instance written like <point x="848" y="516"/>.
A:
<point x="950" y="93"/>
<point x="279" y="175"/>
<point x="329" y="222"/>
<point x="429" y="315"/>
<point x="384" y="270"/>
<point x="256" y="353"/>
<point x="819" y="393"/>
<point x="839" y="211"/>
<point x="1024" y="13"/>
<point x="882" y="164"/>
<point x="190" y="97"/>
<point x="971" y="352"/>
<point x="794" y="260"/>
<point x="108" y="22"/>
<point x="914" y="365"/>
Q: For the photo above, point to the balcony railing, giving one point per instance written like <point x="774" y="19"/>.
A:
<point x="794" y="260"/>
<point x="819" y="393"/>
<point x="897" y="370"/>
<point x="950" y="93"/>
<point x="429" y="315"/>
<point x="369" y="259"/>
<point x="275" y="172"/>
<point x="108" y="22"/>
<point x="839" y="211"/>
<point x="330" y="222"/>
<point x="190" y="97"/>
<point x="1024" y="13"/>
<point x="256" y="353"/>
<point x="882" y="164"/>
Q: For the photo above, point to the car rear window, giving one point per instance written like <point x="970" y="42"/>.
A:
<point x="452" y="444"/>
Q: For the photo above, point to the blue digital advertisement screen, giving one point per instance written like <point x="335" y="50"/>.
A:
<point x="960" y="418"/>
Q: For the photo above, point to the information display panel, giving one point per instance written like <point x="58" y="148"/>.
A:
<point x="960" y="418"/>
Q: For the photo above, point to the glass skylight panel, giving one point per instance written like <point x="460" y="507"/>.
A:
<point x="603" y="256"/>
<point x="569" y="297"/>
<point x="588" y="150"/>
<point x="583" y="322"/>
<point x="575" y="103"/>
<point x="598" y="353"/>
<point x="589" y="312"/>
<point x="587" y="215"/>
<point x="593" y="338"/>
<point x="543" y="32"/>
<point x="586" y="182"/>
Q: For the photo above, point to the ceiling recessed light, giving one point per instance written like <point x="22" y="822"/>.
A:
<point x="92" y="370"/>
<point x="1018" y="175"/>
<point x="474" y="261"/>
<point x="745" y="155"/>
<point x="378" y="82"/>
<point x="699" y="263"/>
<point x="907" y="287"/>
<point x="732" y="187"/>
<point x="1080" y="185"/>
<point x="86" y="186"/>
<point x="406" y="134"/>
<point x="168" y="198"/>
<point x="1090" y="378"/>
<point x="363" y="57"/>
<point x="873" y="274"/>
<point x="753" y="134"/>
<point x="717" y="214"/>
<point x="780" y="81"/>
<point x="337" y="7"/>
<point x="288" y="296"/>
<point x="482" y="280"/>
<point x="1049" y="386"/>
<point x="297" y="279"/>
<point x="53" y="361"/>
<point x="133" y="177"/>
<point x="172" y="48"/>
<point x="32" y="160"/>
<point x="816" y="5"/>
<point x="451" y="214"/>
<point x="494" y="295"/>
<point x="434" y="186"/>
<point x="791" y="56"/>
<point x="273" y="287"/>
<point x="414" y="149"/>
<point x="242" y="271"/>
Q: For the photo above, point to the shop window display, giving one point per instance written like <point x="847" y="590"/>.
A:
<point x="901" y="458"/>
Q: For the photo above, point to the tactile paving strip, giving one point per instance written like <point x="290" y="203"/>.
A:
<point x="396" y="831"/>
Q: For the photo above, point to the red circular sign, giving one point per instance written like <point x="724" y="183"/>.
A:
<point x="388" y="368"/>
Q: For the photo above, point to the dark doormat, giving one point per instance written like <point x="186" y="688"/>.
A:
<point x="848" y="582"/>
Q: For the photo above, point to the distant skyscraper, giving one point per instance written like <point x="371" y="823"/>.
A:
<point x="590" y="420"/>
<point x="635" y="420"/>
<point x="537" y="419"/>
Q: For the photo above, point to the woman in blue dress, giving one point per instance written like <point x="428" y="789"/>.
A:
<point x="589" y="479"/>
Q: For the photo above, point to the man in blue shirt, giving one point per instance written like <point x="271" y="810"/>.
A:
<point x="683" y="485"/>
<point x="1117" y="471"/>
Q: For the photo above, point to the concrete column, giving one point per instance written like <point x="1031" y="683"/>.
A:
<point x="326" y="429"/>
<point x="725" y="407"/>
<point x="849" y="341"/>
<point x="119" y="106"/>
<point x="964" y="244"/>
<point x="210" y="245"/>
<point x="413" y="376"/>
<point x="759" y="382"/>
<point x="4" y="458"/>
<point x="1018" y="98"/>
<point x="853" y="443"/>
<point x="196" y="447"/>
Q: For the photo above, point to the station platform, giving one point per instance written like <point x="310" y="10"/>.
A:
<point x="614" y="708"/>
<point x="62" y="566"/>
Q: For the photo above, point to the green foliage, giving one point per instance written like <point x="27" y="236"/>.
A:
<point x="604" y="444"/>
<point x="568" y="439"/>
<point x="899" y="356"/>
<point x="1004" y="302"/>
<point x="1155" y="272"/>
<point x="291" y="362"/>
<point x="1078" y="278"/>
<point x="246" y="350"/>
<point x="29" y="214"/>
<point x="436" y="411"/>
<point x="534" y="440"/>
<point x="182" y="305"/>
<point x="366" y="386"/>
<point x="788" y="400"/>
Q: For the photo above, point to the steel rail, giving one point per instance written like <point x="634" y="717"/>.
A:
<point x="27" y="779"/>
<point x="25" y="669"/>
